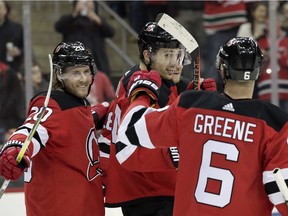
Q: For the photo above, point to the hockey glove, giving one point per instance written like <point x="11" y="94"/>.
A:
<point x="99" y="113"/>
<point x="9" y="167"/>
<point x="208" y="84"/>
<point x="144" y="82"/>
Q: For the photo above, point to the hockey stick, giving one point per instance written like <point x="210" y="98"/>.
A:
<point x="281" y="183"/>
<point x="34" y="128"/>
<point x="174" y="28"/>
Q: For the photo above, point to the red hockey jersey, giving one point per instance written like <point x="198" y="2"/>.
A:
<point x="228" y="151"/>
<point x="65" y="176"/>
<point x="151" y="175"/>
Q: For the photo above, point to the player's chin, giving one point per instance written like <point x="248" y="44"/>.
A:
<point x="167" y="76"/>
<point x="81" y="93"/>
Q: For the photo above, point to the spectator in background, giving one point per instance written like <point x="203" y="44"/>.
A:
<point x="138" y="20"/>
<point x="221" y="22"/>
<point x="84" y="25"/>
<point x="145" y="11"/>
<point x="9" y="133"/>
<point x="39" y="84"/>
<point x="10" y="93"/>
<point x="264" y="88"/>
<point x="101" y="90"/>
<point x="119" y="7"/>
<point x="11" y="39"/>
<point x="284" y="10"/>
<point x="257" y="22"/>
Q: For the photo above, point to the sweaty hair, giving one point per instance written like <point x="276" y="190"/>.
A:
<point x="56" y="84"/>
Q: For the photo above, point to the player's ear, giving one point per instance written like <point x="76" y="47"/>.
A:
<point x="59" y="78"/>
<point x="147" y="56"/>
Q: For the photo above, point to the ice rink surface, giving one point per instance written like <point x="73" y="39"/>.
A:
<point x="12" y="204"/>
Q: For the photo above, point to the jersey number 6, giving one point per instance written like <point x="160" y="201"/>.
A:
<point x="209" y="172"/>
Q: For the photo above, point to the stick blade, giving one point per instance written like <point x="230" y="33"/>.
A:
<point x="177" y="31"/>
<point x="159" y="16"/>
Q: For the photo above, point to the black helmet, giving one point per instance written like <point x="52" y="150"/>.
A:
<point x="72" y="54"/>
<point x="153" y="37"/>
<point x="241" y="59"/>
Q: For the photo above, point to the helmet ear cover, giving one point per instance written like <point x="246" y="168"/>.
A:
<point x="241" y="59"/>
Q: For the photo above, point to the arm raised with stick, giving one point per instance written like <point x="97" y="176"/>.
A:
<point x="10" y="168"/>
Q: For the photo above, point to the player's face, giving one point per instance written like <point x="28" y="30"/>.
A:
<point x="3" y="11"/>
<point x="36" y="74"/>
<point x="260" y="13"/>
<point x="166" y="61"/>
<point x="85" y="5"/>
<point x="77" y="80"/>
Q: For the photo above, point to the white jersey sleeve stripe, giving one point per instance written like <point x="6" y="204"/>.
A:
<point x="128" y="130"/>
<point x="103" y="141"/>
<point x="41" y="133"/>
<point x="125" y="153"/>
<point x="142" y="132"/>
<point x="275" y="196"/>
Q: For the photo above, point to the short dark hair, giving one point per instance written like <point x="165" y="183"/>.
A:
<point x="8" y="7"/>
<point x="74" y="2"/>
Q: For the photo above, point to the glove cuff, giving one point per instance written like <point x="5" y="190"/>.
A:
<point x="23" y="164"/>
<point x="144" y="86"/>
<point x="11" y="143"/>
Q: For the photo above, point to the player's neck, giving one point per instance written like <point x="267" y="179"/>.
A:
<point x="239" y="90"/>
<point x="142" y="66"/>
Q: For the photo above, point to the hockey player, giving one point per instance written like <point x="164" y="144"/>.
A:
<point x="62" y="169"/>
<point x="229" y="143"/>
<point x="148" y="187"/>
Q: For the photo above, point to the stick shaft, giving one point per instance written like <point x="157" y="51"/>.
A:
<point x="29" y="138"/>
<point x="3" y="187"/>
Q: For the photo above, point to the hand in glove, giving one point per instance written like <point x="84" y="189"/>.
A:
<point x="9" y="167"/>
<point x="99" y="113"/>
<point x="208" y="84"/>
<point x="144" y="82"/>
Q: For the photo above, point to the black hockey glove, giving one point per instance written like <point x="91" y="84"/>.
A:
<point x="144" y="82"/>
